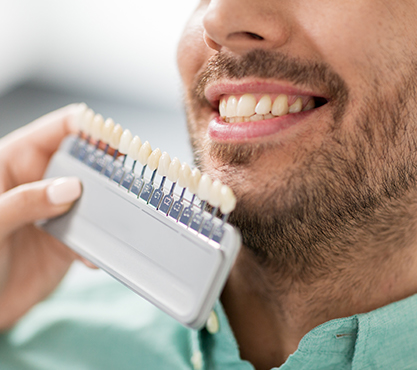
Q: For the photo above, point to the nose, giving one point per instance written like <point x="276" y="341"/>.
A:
<point x="243" y="25"/>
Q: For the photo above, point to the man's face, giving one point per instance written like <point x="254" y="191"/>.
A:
<point x="306" y="181"/>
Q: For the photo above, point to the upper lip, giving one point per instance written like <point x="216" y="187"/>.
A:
<point x="214" y="91"/>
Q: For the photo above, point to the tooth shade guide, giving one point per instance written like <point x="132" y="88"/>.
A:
<point x="182" y="201"/>
<point x="118" y="171"/>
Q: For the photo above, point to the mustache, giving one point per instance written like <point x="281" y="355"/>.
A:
<point x="267" y="64"/>
<point x="264" y="64"/>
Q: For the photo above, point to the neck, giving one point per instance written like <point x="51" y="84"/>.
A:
<point x="270" y="312"/>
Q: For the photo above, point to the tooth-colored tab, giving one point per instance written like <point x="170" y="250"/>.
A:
<point x="134" y="148"/>
<point x="246" y="106"/>
<point x="76" y="119"/>
<point x="231" y="107"/>
<point x="87" y="121"/>
<point x="153" y="159"/>
<point x="264" y="105"/>
<point x="144" y="153"/>
<point x="184" y="175"/>
<point x="204" y="187"/>
<point x="174" y="170"/>
<point x="107" y="130"/>
<point x="215" y="193"/>
<point x="194" y="180"/>
<point x="97" y="127"/>
<point x="163" y="164"/>
<point x="115" y="136"/>
<point x="280" y="106"/>
<point x="228" y="200"/>
<point x="296" y="107"/>
<point x="125" y="141"/>
<point x="222" y="108"/>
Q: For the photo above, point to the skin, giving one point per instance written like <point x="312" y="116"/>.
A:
<point x="327" y="208"/>
<point x="32" y="263"/>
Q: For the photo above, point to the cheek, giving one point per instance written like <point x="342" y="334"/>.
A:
<point x="338" y="35"/>
<point x="360" y="39"/>
<point x="192" y="52"/>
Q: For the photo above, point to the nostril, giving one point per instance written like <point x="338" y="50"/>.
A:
<point x="254" y="36"/>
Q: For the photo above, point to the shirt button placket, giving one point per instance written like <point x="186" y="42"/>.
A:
<point x="197" y="360"/>
<point x="212" y="324"/>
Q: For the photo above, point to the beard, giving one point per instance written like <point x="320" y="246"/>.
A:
<point x="348" y="197"/>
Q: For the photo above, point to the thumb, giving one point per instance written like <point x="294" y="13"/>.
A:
<point x="36" y="201"/>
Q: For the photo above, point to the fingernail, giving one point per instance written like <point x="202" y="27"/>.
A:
<point x="64" y="190"/>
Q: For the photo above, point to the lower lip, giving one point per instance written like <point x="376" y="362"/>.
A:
<point x="219" y="130"/>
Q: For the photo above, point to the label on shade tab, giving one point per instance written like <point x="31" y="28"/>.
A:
<point x="127" y="180"/>
<point x="166" y="204"/>
<point x="146" y="192"/>
<point x="100" y="163"/>
<point x="196" y="222"/>
<point x="109" y="170"/>
<point x="118" y="175"/>
<point x="207" y="227"/>
<point x="136" y="186"/>
<point x="186" y="216"/>
<point x="156" y="198"/>
<point x="176" y="210"/>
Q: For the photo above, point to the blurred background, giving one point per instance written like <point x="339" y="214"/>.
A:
<point x="117" y="56"/>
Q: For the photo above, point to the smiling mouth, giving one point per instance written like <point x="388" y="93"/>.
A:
<point x="259" y="107"/>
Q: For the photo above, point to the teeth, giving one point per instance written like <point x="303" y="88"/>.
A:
<point x="184" y="175"/>
<point x="222" y="108"/>
<point x="97" y="127"/>
<point x="215" y="193"/>
<point x="134" y="148"/>
<point x="115" y="136"/>
<point x="153" y="159"/>
<point x="246" y="109"/>
<point x="164" y="163"/>
<point x="296" y="107"/>
<point x="264" y="105"/>
<point x="246" y="106"/>
<point x="280" y="106"/>
<point x="125" y="141"/>
<point x="194" y="180"/>
<point x="310" y="105"/>
<point x="107" y="130"/>
<point x="174" y="170"/>
<point x="231" y="108"/>
<point x="203" y="191"/>
<point x="144" y="153"/>
<point x="256" y="117"/>
<point x="228" y="200"/>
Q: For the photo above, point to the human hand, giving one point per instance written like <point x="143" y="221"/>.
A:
<point x="32" y="263"/>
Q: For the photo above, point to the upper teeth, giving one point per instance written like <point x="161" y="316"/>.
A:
<point x="247" y="108"/>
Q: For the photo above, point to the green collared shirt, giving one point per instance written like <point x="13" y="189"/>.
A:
<point x="102" y="325"/>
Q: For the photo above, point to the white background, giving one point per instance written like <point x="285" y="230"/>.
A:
<point x="123" y="48"/>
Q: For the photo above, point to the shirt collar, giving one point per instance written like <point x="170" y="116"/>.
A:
<point x="385" y="338"/>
